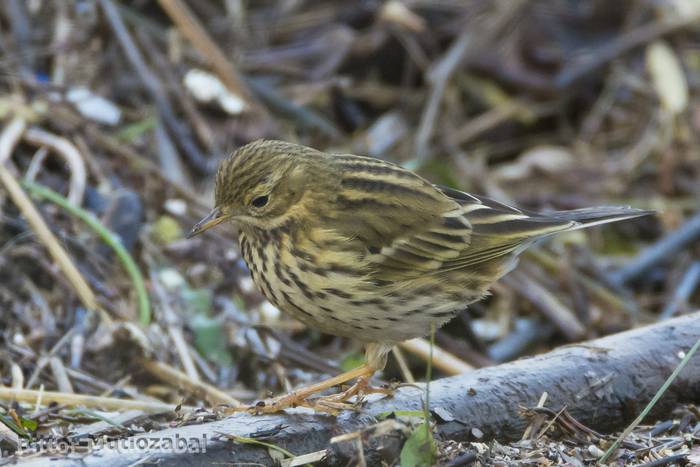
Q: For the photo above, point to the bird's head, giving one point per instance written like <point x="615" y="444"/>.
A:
<point x="262" y="184"/>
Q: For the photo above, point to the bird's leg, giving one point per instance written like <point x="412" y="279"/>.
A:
<point x="376" y="360"/>
<point x="376" y="355"/>
<point x="338" y="401"/>
<point x="300" y="397"/>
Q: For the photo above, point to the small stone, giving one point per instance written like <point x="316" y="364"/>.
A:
<point x="171" y="279"/>
<point x="18" y="339"/>
<point x="94" y="107"/>
<point x="205" y="87"/>
<point x="175" y="206"/>
<point x="247" y="285"/>
<point x="231" y="254"/>
<point x="595" y="451"/>
<point x="269" y="313"/>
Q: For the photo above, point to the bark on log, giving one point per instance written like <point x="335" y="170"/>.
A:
<point x="604" y="383"/>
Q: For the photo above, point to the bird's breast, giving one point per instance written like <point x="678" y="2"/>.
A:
<point x="310" y="276"/>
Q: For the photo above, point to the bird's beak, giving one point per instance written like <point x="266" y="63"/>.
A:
<point x="213" y="218"/>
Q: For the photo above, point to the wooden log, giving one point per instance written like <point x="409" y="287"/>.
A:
<point x="604" y="384"/>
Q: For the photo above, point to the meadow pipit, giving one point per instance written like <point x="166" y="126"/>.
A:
<point x="359" y="247"/>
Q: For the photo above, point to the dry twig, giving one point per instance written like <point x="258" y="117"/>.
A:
<point x="176" y="378"/>
<point x="108" y="403"/>
<point x="193" y="30"/>
<point x="442" y="360"/>
<point x="72" y="156"/>
<point x="8" y="140"/>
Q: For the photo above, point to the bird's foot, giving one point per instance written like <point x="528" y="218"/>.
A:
<point x="333" y="403"/>
<point x="359" y="390"/>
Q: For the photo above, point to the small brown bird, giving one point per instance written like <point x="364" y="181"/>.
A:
<point x="359" y="247"/>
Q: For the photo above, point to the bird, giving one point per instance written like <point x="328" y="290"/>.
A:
<point x="360" y="247"/>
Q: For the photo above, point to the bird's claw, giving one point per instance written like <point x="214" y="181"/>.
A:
<point x="331" y="404"/>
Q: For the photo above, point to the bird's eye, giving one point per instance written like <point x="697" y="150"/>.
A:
<point x="260" y="201"/>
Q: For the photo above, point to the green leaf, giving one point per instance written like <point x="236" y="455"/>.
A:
<point x="615" y="243"/>
<point x="29" y="424"/>
<point x="130" y="133"/>
<point x="442" y="172"/>
<point x="198" y="301"/>
<point x="419" y="449"/>
<point x="24" y="430"/>
<point x="352" y="361"/>
<point x="209" y="336"/>
<point x="210" y="340"/>
<point x="166" y="230"/>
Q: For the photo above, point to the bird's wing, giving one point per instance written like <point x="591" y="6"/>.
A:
<point x="399" y="222"/>
<point x="477" y="232"/>
<point x="408" y="227"/>
<point x="498" y="229"/>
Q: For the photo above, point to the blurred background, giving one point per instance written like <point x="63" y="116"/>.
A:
<point x="124" y="109"/>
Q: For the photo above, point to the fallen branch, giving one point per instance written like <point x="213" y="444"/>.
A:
<point x="603" y="383"/>
<point x="687" y="357"/>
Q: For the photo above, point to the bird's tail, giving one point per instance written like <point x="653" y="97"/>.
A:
<point x="588" y="217"/>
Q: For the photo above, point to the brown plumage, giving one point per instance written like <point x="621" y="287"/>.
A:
<point x="360" y="247"/>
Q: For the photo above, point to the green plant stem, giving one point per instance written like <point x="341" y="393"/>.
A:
<point x="429" y="374"/>
<point x="107" y="236"/>
<point x="651" y="403"/>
